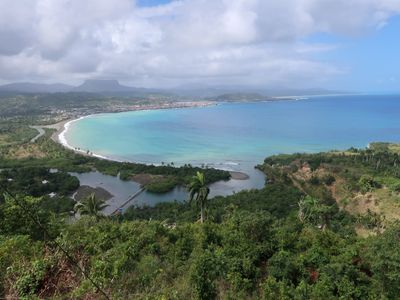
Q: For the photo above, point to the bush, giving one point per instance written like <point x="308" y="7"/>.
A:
<point x="328" y="179"/>
<point x="30" y="280"/>
<point x="162" y="186"/>
<point x="205" y="270"/>
<point x="367" y="183"/>
<point x="314" y="180"/>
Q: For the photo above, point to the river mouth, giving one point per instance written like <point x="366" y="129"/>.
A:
<point x="122" y="191"/>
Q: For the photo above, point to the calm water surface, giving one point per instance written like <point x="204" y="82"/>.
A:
<point x="239" y="136"/>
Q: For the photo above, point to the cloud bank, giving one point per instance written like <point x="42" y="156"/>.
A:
<point x="246" y="42"/>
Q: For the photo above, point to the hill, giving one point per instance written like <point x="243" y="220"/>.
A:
<point x="101" y="86"/>
<point x="232" y="97"/>
<point x="29" y="87"/>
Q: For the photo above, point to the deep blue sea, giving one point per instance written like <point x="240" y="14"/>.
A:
<point x="238" y="135"/>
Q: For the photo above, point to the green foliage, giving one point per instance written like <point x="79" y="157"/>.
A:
<point x="392" y="183"/>
<point x="58" y="205"/>
<point x="382" y="257"/>
<point x="183" y="174"/>
<point x="278" y="199"/>
<point x="12" y="132"/>
<point x="15" y="219"/>
<point x="203" y="274"/>
<point x="328" y="179"/>
<point x="15" y="253"/>
<point x="282" y="266"/>
<point x="315" y="212"/>
<point x="367" y="183"/>
<point x="91" y="206"/>
<point x="357" y="163"/>
<point x="372" y="220"/>
<point x="31" y="278"/>
<point x="277" y="290"/>
<point x="198" y="192"/>
<point x="162" y="186"/>
<point x="247" y="255"/>
<point x="273" y="243"/>
<point x="38" y="181"/>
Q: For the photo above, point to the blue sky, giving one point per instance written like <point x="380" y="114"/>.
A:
<point x="147" y="3"/>
<point x="337" y="44"/>
<point x="371" y="61"/>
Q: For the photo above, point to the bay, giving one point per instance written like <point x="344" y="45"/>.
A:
<point x="238" y="136"/>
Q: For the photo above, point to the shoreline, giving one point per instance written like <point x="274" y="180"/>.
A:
<point x="59" y="137"/>
<point x="63" y="127"/>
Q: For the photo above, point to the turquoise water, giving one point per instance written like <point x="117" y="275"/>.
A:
<point x="231" y="136"/>
<point x="239" y="136"/>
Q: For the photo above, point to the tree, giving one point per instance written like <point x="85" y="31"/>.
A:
<point x="312" y="210"/>
<point x="91" y="206"/>
<point x="203" y="274"/>
<point x="17" y="220"/>
<point x="199" y="191"/>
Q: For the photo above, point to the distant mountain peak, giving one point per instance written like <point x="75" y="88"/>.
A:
<point x="101" y="85"/>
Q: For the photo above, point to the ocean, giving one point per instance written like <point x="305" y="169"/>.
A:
<point x="233" y="136"/>
<point x="236" y="135"/>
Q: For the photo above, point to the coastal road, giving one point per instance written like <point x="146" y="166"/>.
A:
<point x="40" y="134"/>
<point x="41" y="130"/>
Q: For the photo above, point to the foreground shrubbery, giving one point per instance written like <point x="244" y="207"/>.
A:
<point x="247" y="255"/>
<point x="280" y="242"/>
<point x="250" y="247"/>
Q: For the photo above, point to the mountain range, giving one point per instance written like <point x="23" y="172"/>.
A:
<point x="113" y="87"/>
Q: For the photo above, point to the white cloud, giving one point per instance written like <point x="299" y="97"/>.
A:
<point x="209" y="41"/>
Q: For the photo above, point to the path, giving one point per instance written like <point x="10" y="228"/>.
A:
<point x="130" y="198"/>
<point x="40" y="134"/>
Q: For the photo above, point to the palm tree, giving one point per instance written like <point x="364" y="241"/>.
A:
<point x="91" y="206"/>
<point x="199" y="191"/>
<point x="314" y="211"/>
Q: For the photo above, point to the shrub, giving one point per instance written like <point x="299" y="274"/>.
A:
<point x="328" y="179"/>
<point x="367" y="183"/>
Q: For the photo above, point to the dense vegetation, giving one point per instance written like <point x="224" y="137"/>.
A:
<point x="364" y="182"/>
<point x="162" y="186"/>
<point x="324" y="227"/>
<point x="244" y="250"/>
<point x="38" y="181"/>
<point x="280" y="242"/>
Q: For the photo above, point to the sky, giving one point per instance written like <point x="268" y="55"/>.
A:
<point x="350" y="45"/>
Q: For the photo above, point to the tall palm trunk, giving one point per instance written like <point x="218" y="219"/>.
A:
<point x="199" y="192"/>
<point x="202" y="213"/>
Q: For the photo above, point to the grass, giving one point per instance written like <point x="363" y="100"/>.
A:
<point x="388" y="203"/>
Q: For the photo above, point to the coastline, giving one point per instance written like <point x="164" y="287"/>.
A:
<point x="59" y="137"/>
<point x="63" y="127"/>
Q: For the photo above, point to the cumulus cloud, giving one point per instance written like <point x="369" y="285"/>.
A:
<point x="256" y="42"/>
